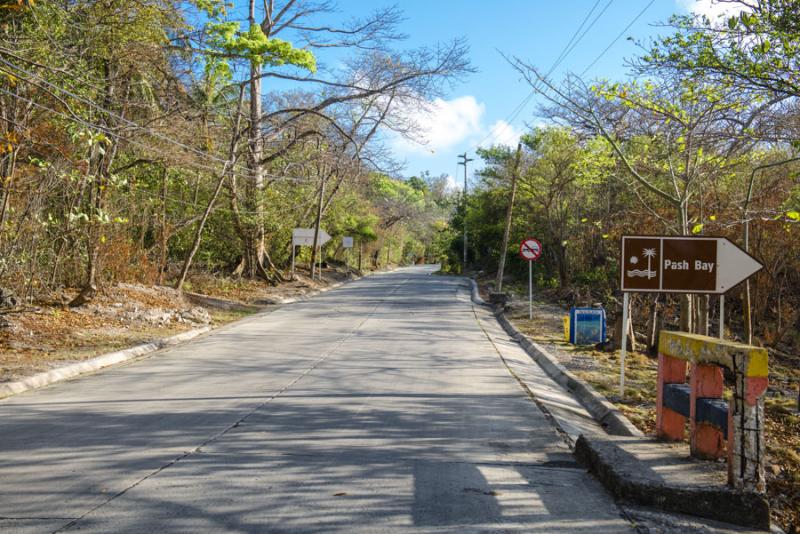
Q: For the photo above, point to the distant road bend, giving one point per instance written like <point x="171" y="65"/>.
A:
<point x="381" y="406"/>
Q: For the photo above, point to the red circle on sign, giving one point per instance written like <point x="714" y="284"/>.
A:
<point x="530" y="249"/>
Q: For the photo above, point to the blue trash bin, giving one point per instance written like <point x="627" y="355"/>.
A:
<point x="587" y="326"/>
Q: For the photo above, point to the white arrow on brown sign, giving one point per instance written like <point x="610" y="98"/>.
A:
<point x="660" y="264"/>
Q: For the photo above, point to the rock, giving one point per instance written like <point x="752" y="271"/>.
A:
<point x="499" y="299"/>
<point x="6" y="324"/>
<point x="7" y="298"/>
<point x="196" y="315"/>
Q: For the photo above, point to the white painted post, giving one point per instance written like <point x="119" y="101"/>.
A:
<point x="624" y="347"/>
<point x="293" y="259"/>
<point x="530" y="290"/>
<point x="722" y="316"/>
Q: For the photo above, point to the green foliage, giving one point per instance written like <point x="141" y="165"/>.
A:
<point x="759" y="48"/>
<point x="254" y="46"/>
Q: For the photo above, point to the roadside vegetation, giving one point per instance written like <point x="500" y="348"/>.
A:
<point x="154" y="145"/>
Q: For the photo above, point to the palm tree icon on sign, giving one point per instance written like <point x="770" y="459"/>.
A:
<point x="648" y="253"/>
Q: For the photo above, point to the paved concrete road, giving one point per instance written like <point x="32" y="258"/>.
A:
<point x="377" y="407"/>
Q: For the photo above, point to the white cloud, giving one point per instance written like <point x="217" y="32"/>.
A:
<point x="712" y="9"/>
<point x="501" y="133"/>
<point x="452" y="184"/>
<point x="443" y="124"/>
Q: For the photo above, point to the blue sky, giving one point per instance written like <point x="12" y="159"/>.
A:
<point x="537" y="31"/>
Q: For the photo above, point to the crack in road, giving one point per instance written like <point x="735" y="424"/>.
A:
<point x="241" y="420"/>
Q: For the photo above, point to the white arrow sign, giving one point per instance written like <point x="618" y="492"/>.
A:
<point x="667" y="264"/>
<point x="735" y="265"/>
<point x="305" y="237"/>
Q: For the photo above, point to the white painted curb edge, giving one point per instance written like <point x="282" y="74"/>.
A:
<point x="70" y="371"/>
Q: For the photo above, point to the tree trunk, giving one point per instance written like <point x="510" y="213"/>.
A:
<point x="6" y="179"/>
<point x="504" y="251"/>
<point x="317" y="223"/>
<point x="101" y="160"/>
<point x="253" y="238"/>
<point x="201" y="224"/>
<point x="198" y="235"/>
<point x="164" y="238"/>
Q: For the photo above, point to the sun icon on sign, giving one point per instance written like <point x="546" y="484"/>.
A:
<point x="634" y="260"/>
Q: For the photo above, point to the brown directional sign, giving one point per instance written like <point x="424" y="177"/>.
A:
<point x="683" y="264"/>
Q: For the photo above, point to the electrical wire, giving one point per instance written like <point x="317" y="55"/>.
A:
<point x="109" y="132"/>
<point x="617" y="38"/>
<point x="565" y="51"/>
<point x="119" y="117"/>
<point x="578" y="40"/>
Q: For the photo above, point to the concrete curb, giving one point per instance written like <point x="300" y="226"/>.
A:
<point x="215" y="302"/>
<point x="601" y="457"/>
<point x="476" y="296"/>
<point x="70" y="371"/>
<point x="278" y="301"/>
<point x="600" y="408"/>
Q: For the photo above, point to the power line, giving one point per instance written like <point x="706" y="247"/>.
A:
<point x="565" y="51"/>
<point x="109" y="132"/>
<point x="617" y="38"/>
<point x="113" y="114"/>
<point x="571" y="39"/>
<point x="589" y="27"/>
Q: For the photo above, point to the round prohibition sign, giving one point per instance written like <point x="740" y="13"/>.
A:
<point x="530" y="249"/>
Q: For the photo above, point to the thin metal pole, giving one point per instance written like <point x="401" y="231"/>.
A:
<point x="624" y="348"/>
<point x="530" y="290"/>
<point x="722" y="316"/>
<point x="464" y="163"/>
<point x="293" y="260"/>
<point x="465" y="212"/>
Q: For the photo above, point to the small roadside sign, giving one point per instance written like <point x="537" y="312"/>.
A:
<point x="305" y="237"/>
<point x="347" y="242"/>
<point x="655" y="264"/>
<point x="530" y="249"/>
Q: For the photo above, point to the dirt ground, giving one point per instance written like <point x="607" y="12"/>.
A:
<point x="601" y="370"/>
<point x="47" y="334"/>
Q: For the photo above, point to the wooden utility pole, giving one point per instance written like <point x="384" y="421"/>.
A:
<point x="509" y="212"/>
<point x="316" y="230"/>
<point x="464" y="163"/>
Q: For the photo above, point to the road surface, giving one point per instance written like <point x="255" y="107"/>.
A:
<point x="377" y="407"/>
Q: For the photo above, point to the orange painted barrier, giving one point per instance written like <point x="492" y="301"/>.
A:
<point x="716" y="428"/>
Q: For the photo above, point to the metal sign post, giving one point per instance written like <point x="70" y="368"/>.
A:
<point x="624" y="349"/>
<point x="530" y="250"/>
<point x="347" y="244"/>
<point x="293" y="259"/>
<point x="304" y="237"/>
